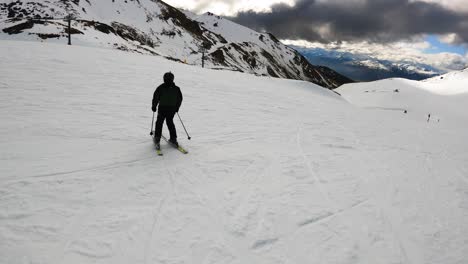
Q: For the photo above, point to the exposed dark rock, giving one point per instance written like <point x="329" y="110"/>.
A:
<point x="72" y="31"/>
<point x="193" y="27"/>
<point x="218" y="57"/>
<point x="28" y="24"/>
<point x="219" y="37"/>
<point x="18" y="9"/>
<point x="104" y="28"/>
<point x="269" y="57"/>
<point x="130" y="33"/>
<point x="262" y="38"/>
<point x="47" y="36"/>
<point x="168" y="33"/>
<point x="173" y="59"/>
<point x="334" y="77"/>
<point x="271" y="72"/>
<point x="273" y="38"/>
<point x="16" y="29"/>
<point x="180" y="19"/>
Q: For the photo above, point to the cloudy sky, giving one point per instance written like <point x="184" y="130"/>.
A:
<point x="431" y="31"/>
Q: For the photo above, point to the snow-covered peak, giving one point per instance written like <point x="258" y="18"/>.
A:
<point x="154" y="27"/>
<point x="231" y="31"/>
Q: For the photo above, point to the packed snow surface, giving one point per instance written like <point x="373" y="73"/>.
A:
<point x="451" y="83"/>
<point x="279" y="171"/>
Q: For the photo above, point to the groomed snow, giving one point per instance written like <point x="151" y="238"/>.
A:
<point x="279" y="171"/>
<point x="445" y="98"/>
<point x="452" y="83"/>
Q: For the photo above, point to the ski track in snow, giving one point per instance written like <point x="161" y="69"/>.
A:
<point x="109" y="166"/>
<point x="154" y="226"/>
<point x="278" y="171"/>
<point x="381" y="207"/>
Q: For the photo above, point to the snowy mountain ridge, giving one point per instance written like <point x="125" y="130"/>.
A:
<point x="361" y="67"/>
<point x="154" y="27"/>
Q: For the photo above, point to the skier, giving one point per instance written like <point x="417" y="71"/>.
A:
<point x="169" y="97"/>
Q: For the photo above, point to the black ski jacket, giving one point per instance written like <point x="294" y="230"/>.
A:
<point x="168" y="96"/>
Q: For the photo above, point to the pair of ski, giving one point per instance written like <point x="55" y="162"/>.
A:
<point x="179" y="148"/>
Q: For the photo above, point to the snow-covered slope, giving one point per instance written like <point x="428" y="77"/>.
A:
<point x="153" y="27"/>
<point x="279" y="171"/>
<point x="444" y="97"/>
<point x="452" y="83"/>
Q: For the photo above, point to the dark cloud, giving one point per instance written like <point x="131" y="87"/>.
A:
<point x="371" y="20"/>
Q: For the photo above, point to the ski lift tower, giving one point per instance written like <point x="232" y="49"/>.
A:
<point x="69" y="18"/>
<point x="204" y="49"/>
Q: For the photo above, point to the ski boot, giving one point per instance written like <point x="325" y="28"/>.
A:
<point x="156" y="142"/>
<point x="174" y="142"/>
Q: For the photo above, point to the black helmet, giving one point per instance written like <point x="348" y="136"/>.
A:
<point x="168" y="77"/>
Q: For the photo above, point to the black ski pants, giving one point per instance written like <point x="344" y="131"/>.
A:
<point x="167" y="115"/>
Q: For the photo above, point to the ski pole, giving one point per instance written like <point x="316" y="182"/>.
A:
<point x="188" y="136"/>
<point x="152" y="122"/>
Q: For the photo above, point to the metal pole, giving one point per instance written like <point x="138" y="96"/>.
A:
<point x="152" y="123"/>
<point x="188" y="136"/>
<point x="69" y="29"/>
<point x="203" y="59"/>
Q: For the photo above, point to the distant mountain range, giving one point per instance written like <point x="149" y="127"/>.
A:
<point x="154" y="27"/>
<point x="366" y="68"/>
